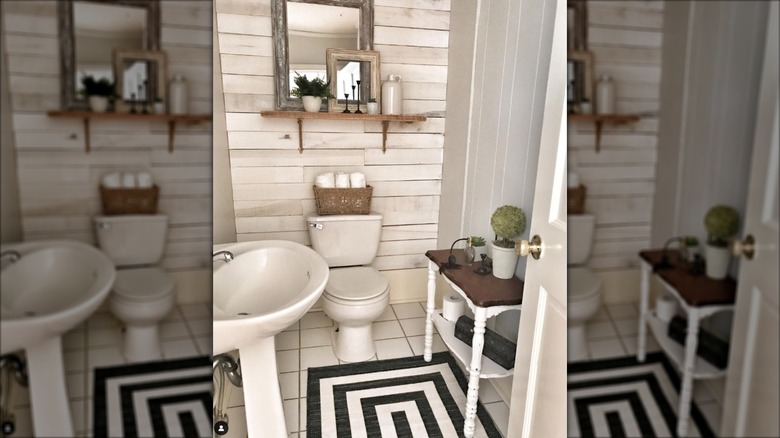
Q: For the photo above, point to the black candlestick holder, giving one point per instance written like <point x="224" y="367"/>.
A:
<point x="357" y="111"/>
<point x="144" y="109"/>
<point x="346" y="102"/>
<point x="483" y="269"/>
<point x="132" y="104"/>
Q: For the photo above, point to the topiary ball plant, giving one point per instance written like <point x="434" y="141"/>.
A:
<point x="721" y="222"/>
<point x="508" y="222"/>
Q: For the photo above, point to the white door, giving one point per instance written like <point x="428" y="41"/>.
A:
<point x="538" y="405"/>
<point x="752" y="397"/>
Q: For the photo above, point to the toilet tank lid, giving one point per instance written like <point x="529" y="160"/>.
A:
<point x="356" y="283"/>
<point x="344" y="217"/>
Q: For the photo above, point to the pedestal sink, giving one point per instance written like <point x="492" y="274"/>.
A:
<point x="53" y="287"/>
<point x="266" y="287"/>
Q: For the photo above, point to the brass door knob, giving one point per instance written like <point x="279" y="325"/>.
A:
<point x="745" y="248"/>
<point x="534" y="247"/>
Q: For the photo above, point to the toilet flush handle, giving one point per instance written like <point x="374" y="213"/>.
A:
<point x="315" y="225"/>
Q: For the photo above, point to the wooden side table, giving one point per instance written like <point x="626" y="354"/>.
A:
<point x="486" y="296"/>
<point x="700" y="297"/>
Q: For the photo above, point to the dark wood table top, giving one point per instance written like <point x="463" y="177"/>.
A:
<point x="696" y="290"/>
<point x="482" y="290"/>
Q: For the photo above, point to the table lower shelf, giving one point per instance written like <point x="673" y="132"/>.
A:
<point x="676" y="352"/>
<point x="462" y="351"/>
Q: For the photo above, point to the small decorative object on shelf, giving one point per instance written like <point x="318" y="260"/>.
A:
<point x="483" y="269"/>
<point x="311" y="92"/>
<point x="346" y="103"/>
<point x="721" y="222"/>
<point x="132" y="104"/>
<point x="159" y="106"/>
<point x="373" y="106"/>
<point x="479" y="246"/>
<point x="585" y="107"/>
<point x="605" y="95"/>
<point x="508" y="222"/>
<point x="357" y="111"/>
<point x="470" y="253"/>
<point x="392" y="95"/>
<point x="97" y="92"/>
<point x="178" y="96"/>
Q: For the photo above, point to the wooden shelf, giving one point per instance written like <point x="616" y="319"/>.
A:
<point x="172" y="119"/>
<point x="302" y="115"/>
<point x="676" y="351"/>
<point x="600" y="119"/>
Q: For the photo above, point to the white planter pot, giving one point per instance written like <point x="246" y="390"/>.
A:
<point x="717" y="262"/>
<point x="504" y="262"/>
<point x="98" y="104"/>
<point x="373" y="107"/>
<point x="312" y="104"/>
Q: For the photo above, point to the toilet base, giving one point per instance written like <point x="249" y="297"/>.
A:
<point x="354" y="343"/>
<point x="577" y="343"/>
<point x="142" y="343"/>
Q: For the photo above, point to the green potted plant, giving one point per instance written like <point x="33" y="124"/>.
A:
<point x="721" y="222"/>
<point x="97" y="92"/>
<point x="478" y="242"/>
<point x="508" y="223"/>
<point x="311" y="91"/>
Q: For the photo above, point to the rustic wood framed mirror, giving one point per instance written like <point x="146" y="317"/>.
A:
<point x="90" y="30"/>
<point x="352" y="67"/>
<point x="304" y="29"/>
<point x="140" y="78"/>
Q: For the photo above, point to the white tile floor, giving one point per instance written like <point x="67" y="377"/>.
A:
<point x="399" y="332"/>
<point x="613" y="333"/>
<point x="186" y="332"/>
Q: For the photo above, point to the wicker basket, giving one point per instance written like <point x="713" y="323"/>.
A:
<point x="576" y="200"/>
<point x="343" y="201"/>
<point x="129" y="201"/>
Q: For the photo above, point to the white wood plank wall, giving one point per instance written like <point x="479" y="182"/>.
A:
<point x="58" y="181"/>
<point x="625" y="38"/>
<point x="272" y="182"/>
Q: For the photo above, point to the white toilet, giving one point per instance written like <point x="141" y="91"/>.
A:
<point x="143" y="293"/>
<point x="584" y="287"/>
<point x="355" y="295"/>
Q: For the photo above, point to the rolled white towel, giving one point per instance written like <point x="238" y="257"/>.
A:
<point x="325" y="180"/>
<point x="144" y="180"/>
<point x="357" y="180"/>
<point x="128" y="180"/>
<point x="342" y="180"/>
<point x="112" y="180"/>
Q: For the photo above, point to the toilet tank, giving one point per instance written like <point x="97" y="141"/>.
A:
<point x="579" y="231"/>
<point x="346" y="240"/>
<point x="132" y="239"/>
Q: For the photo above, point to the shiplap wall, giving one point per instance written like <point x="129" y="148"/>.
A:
<point x="58" y="181"/>
<point x="272" y="182"/>
<point x="625" y="39"/>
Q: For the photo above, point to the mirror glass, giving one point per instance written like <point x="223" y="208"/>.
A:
<point x="135" y="80"/>
<point x="92" y="30"/>
<point x="347" y="76"/>
<point x="304" y="29"/>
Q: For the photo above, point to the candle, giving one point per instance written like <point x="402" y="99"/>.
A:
<point x="353" y="78"/>
<point x="343" y="85"/>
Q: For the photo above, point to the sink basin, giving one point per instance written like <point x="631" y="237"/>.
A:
<point x="265" y="288"/>
<point x="53" y="287"/>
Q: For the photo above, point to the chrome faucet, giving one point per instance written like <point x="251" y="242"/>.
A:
<point x="12" y="255"/>
<point x="226" y="256"/>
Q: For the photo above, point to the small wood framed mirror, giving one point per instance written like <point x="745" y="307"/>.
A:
<point x="348" y="68"/>
<point x="140" y="78"/>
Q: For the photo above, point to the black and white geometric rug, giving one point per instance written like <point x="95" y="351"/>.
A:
<point x="624" y="398"/>
<point x="404" y="397"/>
<point x="154" y="399"/>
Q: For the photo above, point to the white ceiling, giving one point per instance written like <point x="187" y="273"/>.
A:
<point x="322" y="20"/>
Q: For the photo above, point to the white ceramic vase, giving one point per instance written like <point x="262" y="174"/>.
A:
<point x="98" y="104"/>
<point x="373" y="107"/>
<point x="504" y="261"/>
<point x="717" y="262"/>
<point x="312" y="104"/>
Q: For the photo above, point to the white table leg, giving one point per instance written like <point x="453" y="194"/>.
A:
<point x="686" y="391"/>
<point x="643" y="309"/>
<point x="477" y="343"/>
<point x="428" y="352"/>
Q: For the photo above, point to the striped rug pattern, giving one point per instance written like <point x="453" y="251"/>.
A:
<point x="154" y="399"/>
<point x="625" y="398"/>
<point x="404" y="397"/>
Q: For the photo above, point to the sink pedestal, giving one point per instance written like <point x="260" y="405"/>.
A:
<point x="262" y="397"/>
<point x="48" y="394"/>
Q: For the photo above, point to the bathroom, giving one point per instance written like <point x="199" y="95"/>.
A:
<point x="50" y="182"/>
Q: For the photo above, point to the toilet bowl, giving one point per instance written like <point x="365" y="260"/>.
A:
<point x="143" y="294"/>
<point x="583" y="286"/>
<point x="355" y="295"/>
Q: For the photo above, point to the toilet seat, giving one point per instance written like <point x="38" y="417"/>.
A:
<point x="142" y="284"/>
<point x="354" y="284"/>
<point x="583" y="284"/>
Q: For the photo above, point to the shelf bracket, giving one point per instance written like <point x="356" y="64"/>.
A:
<point x="300" y="136"/>
<point x="385" y="124"/>
<point x="86" y="134"/>
<point x="171" y="134"/>
<point x="598" y="135"/>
